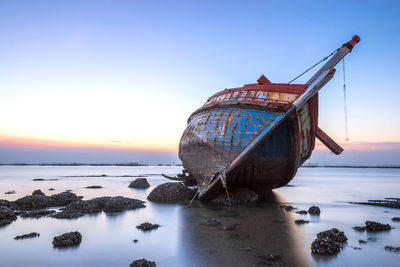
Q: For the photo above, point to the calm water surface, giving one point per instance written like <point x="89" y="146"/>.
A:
<point x="183" y="240"/>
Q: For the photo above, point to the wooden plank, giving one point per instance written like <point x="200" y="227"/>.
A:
<point x="328" y="142"/>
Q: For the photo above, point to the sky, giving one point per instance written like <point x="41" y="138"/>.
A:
<point x="115" y="81"/>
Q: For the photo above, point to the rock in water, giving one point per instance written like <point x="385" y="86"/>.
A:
<point x="67" y="239"/>
<point x="40" y="201"/>
<point x="31" y="235"/>
<point x="171" y="192"/>
<point x="65" y="198"/>
<point x="37" y="213"/>
<point x="7" y="216"/>
<point x="118" y="204"/>
<point x="373" y="227"/>
<point x="314" y="210"/>
<point x="93" y="187"/>
<point x="96" y="205"/>
<point x="396" y="219"/>
<point x="147" y="226"/>
<point x="303" y="212"/>
<point x="325" y="246"/>
<point x="142" y="263"/>
<point x="333" y="234"/>
<point x="140" y="183"/>
<point x="37" y="192"/>
<point x="301" y="221"/>
<point x="10" y="192"/>
<point x="328" y="242"/>
<point x="359" y="228"/>
<point x="237" y="196"/>
<point x="8" y="204"/>
<point x="376" y="227"/>
<point x="393" y="249"/>
<point x="289" y="208"/>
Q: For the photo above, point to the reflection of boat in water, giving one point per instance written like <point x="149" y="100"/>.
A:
<point x="256" y="136"/>
<point x="241" y="235"/>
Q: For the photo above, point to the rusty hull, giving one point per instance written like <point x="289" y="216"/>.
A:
<point x="229" y="121"/>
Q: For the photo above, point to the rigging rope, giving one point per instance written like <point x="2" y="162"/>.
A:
<point x="345" y="104"/>
<point x="316" y="64"/>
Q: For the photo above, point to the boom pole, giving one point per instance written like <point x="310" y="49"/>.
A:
<point x="336" y="58"/>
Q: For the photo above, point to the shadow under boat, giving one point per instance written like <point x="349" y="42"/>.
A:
<point x="248" y="235"/>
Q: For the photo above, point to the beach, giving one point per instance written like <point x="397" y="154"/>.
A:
<point x="246" y="235"/>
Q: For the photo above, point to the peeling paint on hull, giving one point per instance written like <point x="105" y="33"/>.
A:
<point x="227" y="124"/>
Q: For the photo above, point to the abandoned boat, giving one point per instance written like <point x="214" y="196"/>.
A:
<point x="258" y="135"/>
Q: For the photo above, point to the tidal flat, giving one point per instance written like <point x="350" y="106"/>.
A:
<point x="254" y="234"/>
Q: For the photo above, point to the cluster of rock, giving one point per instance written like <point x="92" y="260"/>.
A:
<point x="38" y="200"/>
<point x="7" y="216"/>
<point x="371" y="226"/>
<point x="288" y="208"/>
<point x="64" y="240"/>
<point x="393" y="249"/>
<point x="302" y="212"/>
<point x="142" y="263"/>
<point x="107" y="204"/>
<point x="67" y="239"/>
<point x="37" y="204"/>
<point x="328" y="242"/>
<point x="314" y="210"/>
<point x="388" y="202"/>
<point x="146" y="226"/>
<point x="37" y="213"/>
<point x="139" y="183"/>
<point x="171" y="192"/>
<point x="301" y="221"/>
<point x="25" y="236"/>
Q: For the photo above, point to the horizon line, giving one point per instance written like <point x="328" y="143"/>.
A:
<point x="138" y="164"/>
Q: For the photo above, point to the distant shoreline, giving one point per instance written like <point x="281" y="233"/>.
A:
<point x="74" y="164"/>
<point x="143" y="164"/>
<point x="349" y="166"/>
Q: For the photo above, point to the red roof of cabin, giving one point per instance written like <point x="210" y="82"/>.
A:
<point x="265" y="85"/>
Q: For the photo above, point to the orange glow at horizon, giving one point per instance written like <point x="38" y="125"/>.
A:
<point x="160" y="146"/>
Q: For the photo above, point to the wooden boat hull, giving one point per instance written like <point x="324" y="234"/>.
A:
<point x="216" y="134"/>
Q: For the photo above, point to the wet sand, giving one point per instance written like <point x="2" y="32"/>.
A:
<point x="248" y="234"/>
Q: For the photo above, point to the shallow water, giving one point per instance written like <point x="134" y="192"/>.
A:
<point x="182" y="240"/>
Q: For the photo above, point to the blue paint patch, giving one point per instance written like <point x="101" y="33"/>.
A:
<point x="234" y="136"/>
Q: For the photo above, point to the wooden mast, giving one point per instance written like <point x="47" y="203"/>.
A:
<point x="336" y="58"/>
